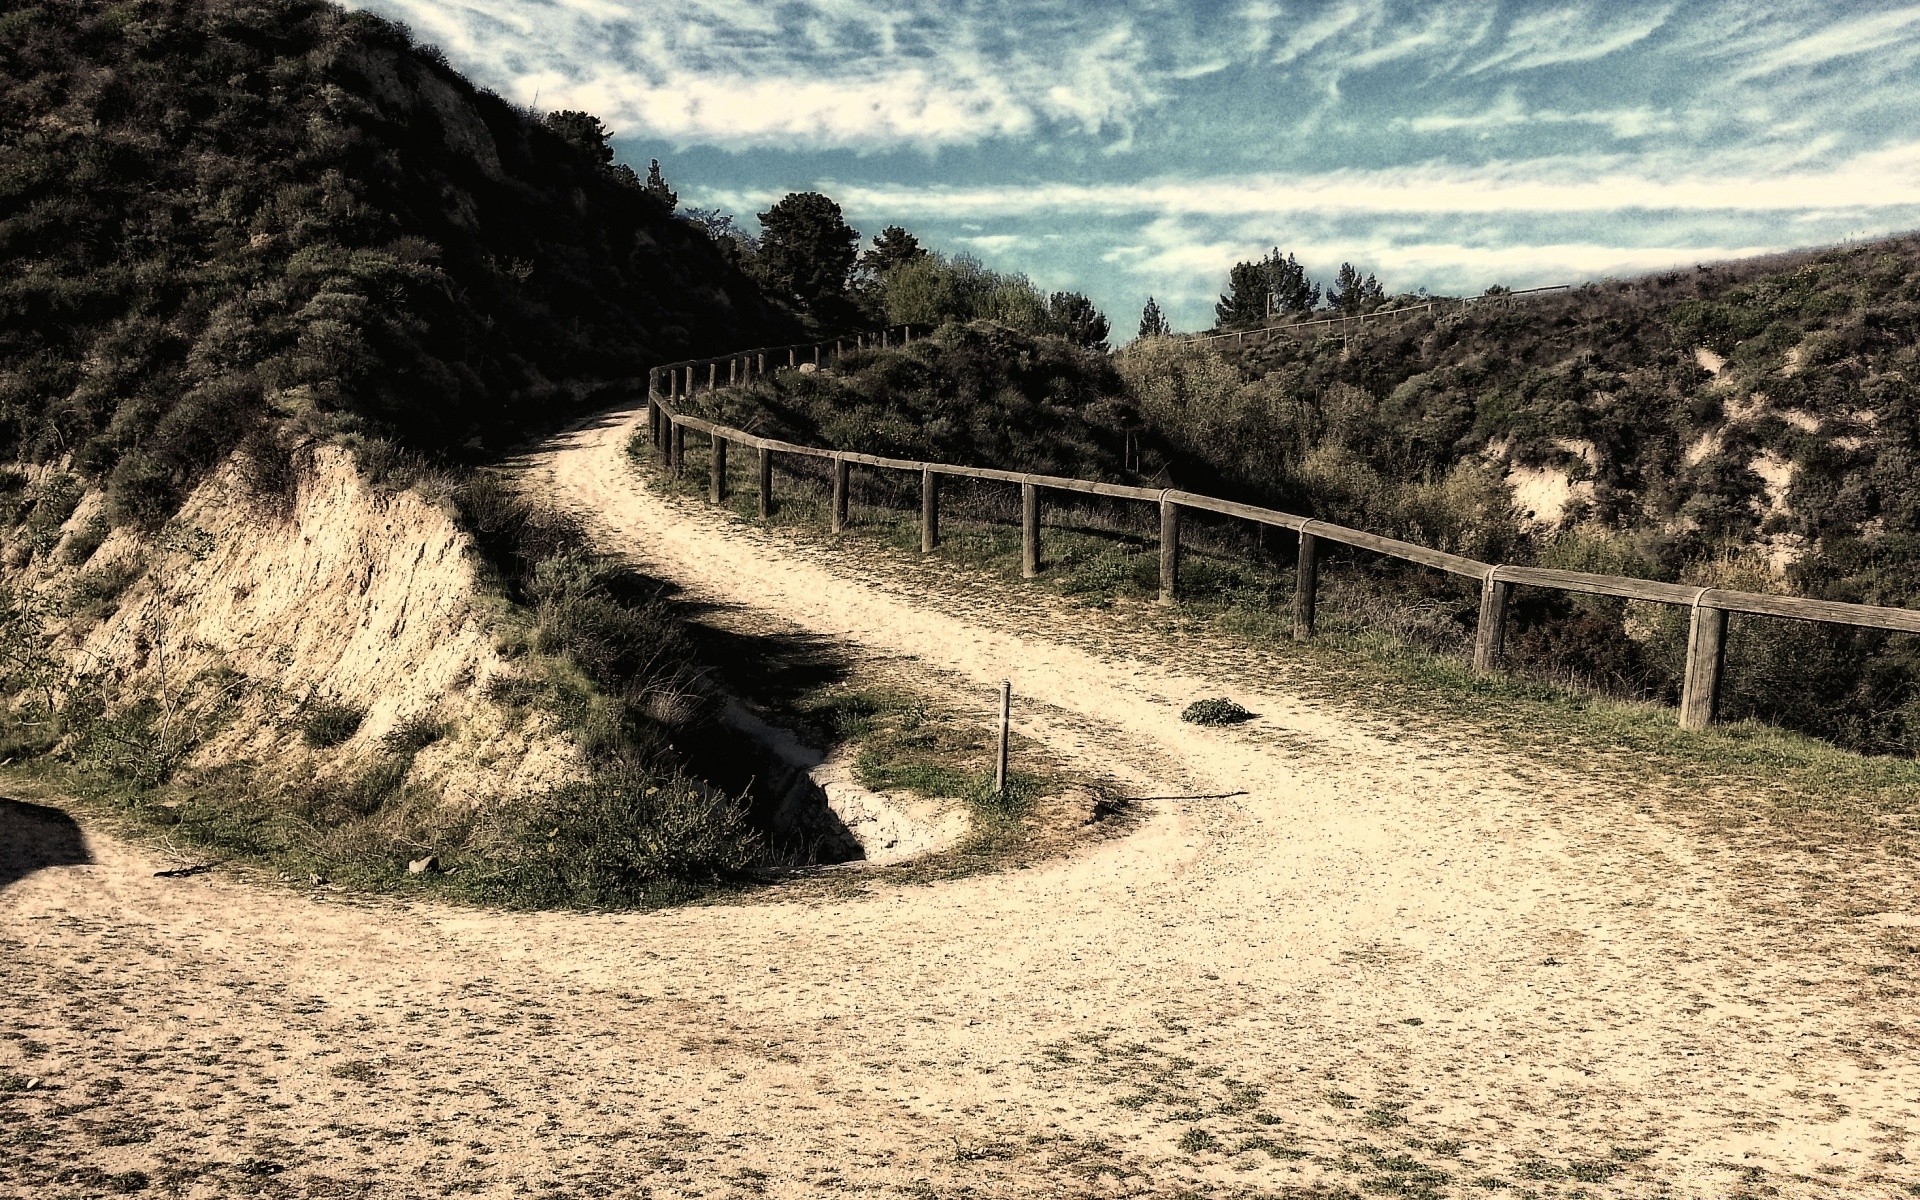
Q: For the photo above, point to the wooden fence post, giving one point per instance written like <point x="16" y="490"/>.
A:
<point x="929" y="510"/>
<point x="689" y="390"/>
<point x="733" y="371"/>
<point x="793" y="357"/>
<point x="1306" y="585"/>
<point x="1706" y="654"/>
<point x="1169" y="551"/>
<point x="713" y="375"/>
<point x="717" y="469"/>
<point x="816" y="354"/>
<point x="1000" y="757"/>
<point x="760" y="364"/>
<point x="1029" y="530"/>
<point x="766" y="483"/>
<point x="1490" y="637"/>
<point x="840" y="466"/>
<point x="677" y="453"/>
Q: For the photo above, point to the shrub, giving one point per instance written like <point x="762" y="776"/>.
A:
<point x="329" y="723"/>
<point x="1218" y="711"/>
<point x="625" y="837"/>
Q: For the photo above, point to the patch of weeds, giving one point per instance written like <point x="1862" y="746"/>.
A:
<point x="1385" y="1115"/>
<point x="413" y="734"/>
<point x="1217" y="711"/>
<point x="1272" y="1148"/>
<point x="1341" y="1100"/>
<point x="329" y="723"/>
<point x="358" y="1069"/>
<point x="1593" y="1170"/>
<point x="1198" y="1141"/>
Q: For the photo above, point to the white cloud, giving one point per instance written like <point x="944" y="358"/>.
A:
<point x="865" y="74"/>
<point x="1863" y="35"/>
<point x="1577" y="33"/>
<point x="1886" y="180"/>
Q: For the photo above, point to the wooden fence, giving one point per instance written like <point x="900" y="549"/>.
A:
<point x="1707" y="633"/>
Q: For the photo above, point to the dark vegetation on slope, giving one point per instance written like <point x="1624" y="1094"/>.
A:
<point x="284" y="220"/>
<point x="257" y="225"/>
<point x="977" y="394"/>
<point x="1403" y="430"/>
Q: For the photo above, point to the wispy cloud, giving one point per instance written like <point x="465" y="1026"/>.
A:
<point x="1884" y="179"/>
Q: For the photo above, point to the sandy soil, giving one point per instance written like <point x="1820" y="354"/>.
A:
<point x="1390" y="966"/>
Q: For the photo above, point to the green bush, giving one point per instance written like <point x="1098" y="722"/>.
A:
<point x="328" y="723"/>
<point x="1218" y="711"/>
<point x="626" y="837"/>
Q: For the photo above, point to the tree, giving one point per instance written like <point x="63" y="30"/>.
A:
<point x="806" y="248"/>
<point x="656" y="186"/>
<point x="892" y="247"/>
<point x="584" y="130"/>
<point x="1152" y="323"/>
<point x="1287" y="281"/>
<point x="1258" y="290"/>
<point x="1074" y="318"/>
<point x="1246" y="300"/>
<point x="1352" y="293"/>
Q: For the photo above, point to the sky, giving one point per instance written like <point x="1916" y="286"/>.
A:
<point x="1127" y="148"/>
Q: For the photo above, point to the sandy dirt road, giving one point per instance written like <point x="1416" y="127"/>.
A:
<point x="1389" y="967"/>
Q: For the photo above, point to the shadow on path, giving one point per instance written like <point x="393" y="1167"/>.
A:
<point x="33" y="836"/>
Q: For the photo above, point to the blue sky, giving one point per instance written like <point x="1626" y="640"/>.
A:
<point x="1138" y="147"/>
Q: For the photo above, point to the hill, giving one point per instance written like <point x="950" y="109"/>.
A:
<point x="1751" y="423"/>
<point x="276" y="280"/>
<point x="219" y="218"/>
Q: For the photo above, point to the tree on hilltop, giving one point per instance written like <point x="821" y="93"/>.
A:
<point x="892" y="247"/>
<point x="584" y="130"/>
<point x="1074" y="318"/>
<point x="1258" y="290"/>
<point x="656" y="186"/>
<point x="1353" y="293"/>
<point x="1152" y="323"/>
<point x="807" y="249"/>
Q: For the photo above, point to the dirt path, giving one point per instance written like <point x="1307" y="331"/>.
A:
<point x="1389" y="967"/>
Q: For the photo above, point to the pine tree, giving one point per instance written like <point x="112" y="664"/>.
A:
<point x="1353" y="292"/>
<point x="1152" y="323"/>
<point x="1246" y="300"/>
<point x="1074" y="318"/>
<point x="656" y="186"/>
<point x="1288" y="284"/>
<point x="892" y="247"/>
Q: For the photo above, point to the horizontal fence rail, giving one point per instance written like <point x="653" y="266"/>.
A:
<point x="1706" y="639"/>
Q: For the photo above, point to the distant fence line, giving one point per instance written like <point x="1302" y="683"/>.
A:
<point x="1707" y="631"/>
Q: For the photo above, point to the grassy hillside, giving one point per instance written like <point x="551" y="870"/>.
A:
<point x="262" y="227"/>
<point x="981" y="393"/>
<point x="1751" y="424"/>
<point x="286" y="218"/>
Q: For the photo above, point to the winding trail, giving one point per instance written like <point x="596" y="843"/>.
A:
<point x="1390" y="963"/>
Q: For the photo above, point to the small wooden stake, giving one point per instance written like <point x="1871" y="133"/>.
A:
<point x="840" y="468"/>
<point x="1169" y="552"/>
<point x="1306" y="586"/>
<point x="1490" y="637"/>
<point x="713" y="375"/>
<point x="766" y="483"/>
<point x="1706" y="655"/>
<point x="929" y="510"/>
<point x="1029" y="530"/>
<point x="717" y="484"/>
<point x="1000" y="760"/>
